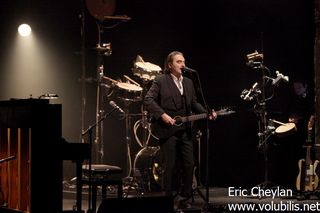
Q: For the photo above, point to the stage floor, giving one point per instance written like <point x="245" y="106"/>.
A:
<point x="229" y="199"/>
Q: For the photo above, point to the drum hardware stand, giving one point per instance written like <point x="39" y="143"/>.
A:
<point x="143" y="123"/>
<point x="99" y="113"/>
<point x="265" y="127"/>
<point x="145" y="127"/>
<point x="104" y="49"/>
<point x="129" y="180"/>
<point x="128" y="138"/>
<point x="83" y="68"/>
<point x="255" y="61"/>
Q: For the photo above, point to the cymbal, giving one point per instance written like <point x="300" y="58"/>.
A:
<point x="101" y="8"/>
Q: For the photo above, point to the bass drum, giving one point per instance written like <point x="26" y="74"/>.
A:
<point x="149" y="163"/>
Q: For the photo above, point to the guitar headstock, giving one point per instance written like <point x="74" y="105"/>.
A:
<point x="225" y="111"/>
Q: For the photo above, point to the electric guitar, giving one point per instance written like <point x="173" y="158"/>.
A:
<point x="307" y="179"/>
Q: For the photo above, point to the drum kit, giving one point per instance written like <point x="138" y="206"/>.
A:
<point x="129" y="90"/>
<point x="147" y="161"/>
<point x="126" y="90"/>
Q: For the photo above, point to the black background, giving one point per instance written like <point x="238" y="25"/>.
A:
<point x="215" y="37"/>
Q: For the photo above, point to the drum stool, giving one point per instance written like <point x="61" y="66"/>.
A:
<point x="102" y="175"/>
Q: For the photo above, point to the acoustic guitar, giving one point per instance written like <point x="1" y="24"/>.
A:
<point x="308" y="179"/>
<point x="183" y="119"/>
<point x="159" y="128"/>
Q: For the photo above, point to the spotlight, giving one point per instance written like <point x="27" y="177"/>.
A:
<point x="24" y="30"/>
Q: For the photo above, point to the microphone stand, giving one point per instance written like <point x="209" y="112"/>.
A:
<point x="263" y="130"/>
<point x="89" y="131"/>
<point x="206" y="197"/>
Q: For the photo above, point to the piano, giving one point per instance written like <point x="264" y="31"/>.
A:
<point x="30" y="130"/>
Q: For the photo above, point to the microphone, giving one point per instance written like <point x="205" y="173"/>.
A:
<point x="254" y="64"/>
<point x="248" y="97"/>
<point x="114" y="105"/>
<point x="279" y="77"/>
<point x="246" y="94"/>
<point x="187" y="69"/>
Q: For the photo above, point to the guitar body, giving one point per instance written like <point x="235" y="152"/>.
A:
<point x="316" y="177"/>
<point x="308" y="180"/>
<point x="301" y="176"/>
<point x="163" y="130"/>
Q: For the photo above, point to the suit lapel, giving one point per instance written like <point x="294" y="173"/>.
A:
<point x="186" y="90"/>
<point x="174" y="91"/>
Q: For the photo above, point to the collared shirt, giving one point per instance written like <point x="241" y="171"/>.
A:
<point x="178" y="82"/>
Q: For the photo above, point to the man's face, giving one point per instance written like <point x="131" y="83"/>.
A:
<point x="299" y="88"/>
<point x="177" y="64"/>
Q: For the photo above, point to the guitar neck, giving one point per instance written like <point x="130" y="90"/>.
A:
<point x="194" y="117"/>
<point x="308" y="156"/>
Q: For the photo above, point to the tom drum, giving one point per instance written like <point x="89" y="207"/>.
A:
<point x="129" y="92"/>
<point x="285" y="129"/>
<point x="146" y="71"/>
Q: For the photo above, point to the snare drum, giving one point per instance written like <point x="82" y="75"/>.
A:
<point x="285" y="129"/>
<point x="146" y="71"/>
<point x="149" y="163"/>
<point x="129" y="92"/>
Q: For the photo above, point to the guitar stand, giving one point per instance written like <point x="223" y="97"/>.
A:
<point x="303" y="195"/>
<point x="307" y="195"/>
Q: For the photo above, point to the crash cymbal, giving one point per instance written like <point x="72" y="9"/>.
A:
<point x="101" y="8"/>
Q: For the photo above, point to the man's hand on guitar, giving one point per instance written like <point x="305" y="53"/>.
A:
<point x="213" y="115"/>
<point x="167" y="119"/>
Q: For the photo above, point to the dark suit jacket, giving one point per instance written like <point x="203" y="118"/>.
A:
<point x="164" y="97"/>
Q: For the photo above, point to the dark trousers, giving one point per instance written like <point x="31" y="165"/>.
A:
<point x="178" y="150"/>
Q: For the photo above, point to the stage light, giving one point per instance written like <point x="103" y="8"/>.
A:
<point x="24" y="30"/>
